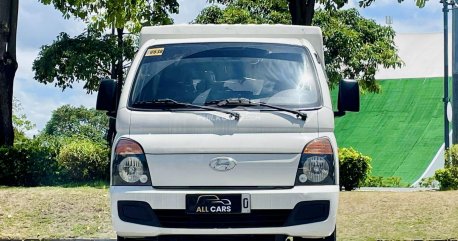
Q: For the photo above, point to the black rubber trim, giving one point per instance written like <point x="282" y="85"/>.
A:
<point x="306" y="212"/>
<point x="309" y="212"/>
<point x="255" y="219"/>
<point x="224" y="187"/>
<point x="137" y="212"/>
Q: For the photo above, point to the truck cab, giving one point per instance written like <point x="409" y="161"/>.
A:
<point x="226" y="130"/>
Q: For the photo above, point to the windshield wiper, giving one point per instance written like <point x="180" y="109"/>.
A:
<point x="248" y="102"/>
<point x="173" y="103"/>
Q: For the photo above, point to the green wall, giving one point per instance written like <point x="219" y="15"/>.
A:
<point x="400" y="128"/>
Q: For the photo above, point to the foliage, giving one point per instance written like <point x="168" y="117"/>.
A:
<point x="63" y="63"/>
<point x="354" y="168"/>
<point x="76" y="131"/>
<point x="84" y="160"/>
<point x="373" y="181"/>
<point x="392" y="182"/>
<point x="378" y="181"/>
<point x="104" y="14"/>
<point x="332" y="4"/>
<point x="448" y="178"/>
<point x="212" y="14"/>
<point x="429" y="182"/>
<point x="28" y="163"/>
<point x="300" y="12"/>
<point x="451" y="156"/>
<point x="20" y="122"/>
<point x="54" y="143"/>
<point x="246" y="11"/>
<point x="79" y="122"/>
<point x="97" y="55"/>
<point x="367" y="3"/>
<point x="34" y="162"/>
<point x="354" y="46"/>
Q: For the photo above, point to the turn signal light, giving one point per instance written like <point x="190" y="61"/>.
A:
<point x="127" y="146"/>
<point x="319" y="146"/>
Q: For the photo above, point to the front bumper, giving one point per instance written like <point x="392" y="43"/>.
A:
<point x="261" y="201"/>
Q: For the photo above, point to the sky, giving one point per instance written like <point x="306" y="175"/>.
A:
<point x="39" y="25"/>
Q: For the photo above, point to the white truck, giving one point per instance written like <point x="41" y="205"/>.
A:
<point x="226" y="130"/>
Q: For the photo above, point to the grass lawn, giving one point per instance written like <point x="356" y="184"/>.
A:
<point x="400" y="128"/>
<point x="56" y="212"/>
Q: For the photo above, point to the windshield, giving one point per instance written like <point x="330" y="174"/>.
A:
<point x="200" y="73"/>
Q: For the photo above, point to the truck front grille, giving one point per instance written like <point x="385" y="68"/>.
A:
<point x="257" y="218"/>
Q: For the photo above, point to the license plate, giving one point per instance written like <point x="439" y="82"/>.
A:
<point x="218" y="203"/>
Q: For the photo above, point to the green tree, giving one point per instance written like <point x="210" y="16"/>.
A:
<point x="354" y="46"/>
<point x="123" y="17"/>
<point x="70" y="121"/>
<point x="20" y="122"/>
<point x="62" y="63"/>
<point x="8" y="67"/>
<point x="302" y="12"/>
<point x="94" y="55"/>
<point x="247" y="11"/>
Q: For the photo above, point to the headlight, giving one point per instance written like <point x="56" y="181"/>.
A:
<point x="316" y="166"/>
<point x="129" y="165"/>
<point x="130" y="169"/>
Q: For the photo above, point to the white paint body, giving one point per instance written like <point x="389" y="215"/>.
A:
<point x="267" y="145"/>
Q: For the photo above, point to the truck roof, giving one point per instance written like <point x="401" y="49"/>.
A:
<point x="186" y="31"/>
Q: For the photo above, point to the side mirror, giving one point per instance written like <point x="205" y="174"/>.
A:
<point x="348" y="99"/>
<point x="106" y="98"/>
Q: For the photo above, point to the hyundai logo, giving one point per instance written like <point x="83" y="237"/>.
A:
<point x="223" y="164"/>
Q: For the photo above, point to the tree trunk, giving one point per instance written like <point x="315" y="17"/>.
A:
<point x="118" y="74"/>
<point x="119" y="65"/>
<point x="113" y="61"/>
<point x="302" y="11"/>
<point x="8" y="67"/>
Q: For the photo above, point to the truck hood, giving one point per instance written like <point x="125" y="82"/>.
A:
<point x="180" y="147"/>
<point x="253" y="160"/>
<point x="213" y="132"/>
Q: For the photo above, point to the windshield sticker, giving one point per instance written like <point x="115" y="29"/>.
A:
<point x="154" y="52"/>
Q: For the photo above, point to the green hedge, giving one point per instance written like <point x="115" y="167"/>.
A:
<point x="448" y="176"/>
<point x="29" y="163"/>
<point x="451" y="156"/>
<point x="354" y="168"/>
<point x="47" y="160"/>
<point x="84" y="160"/>
<point x="379" y="181"/>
